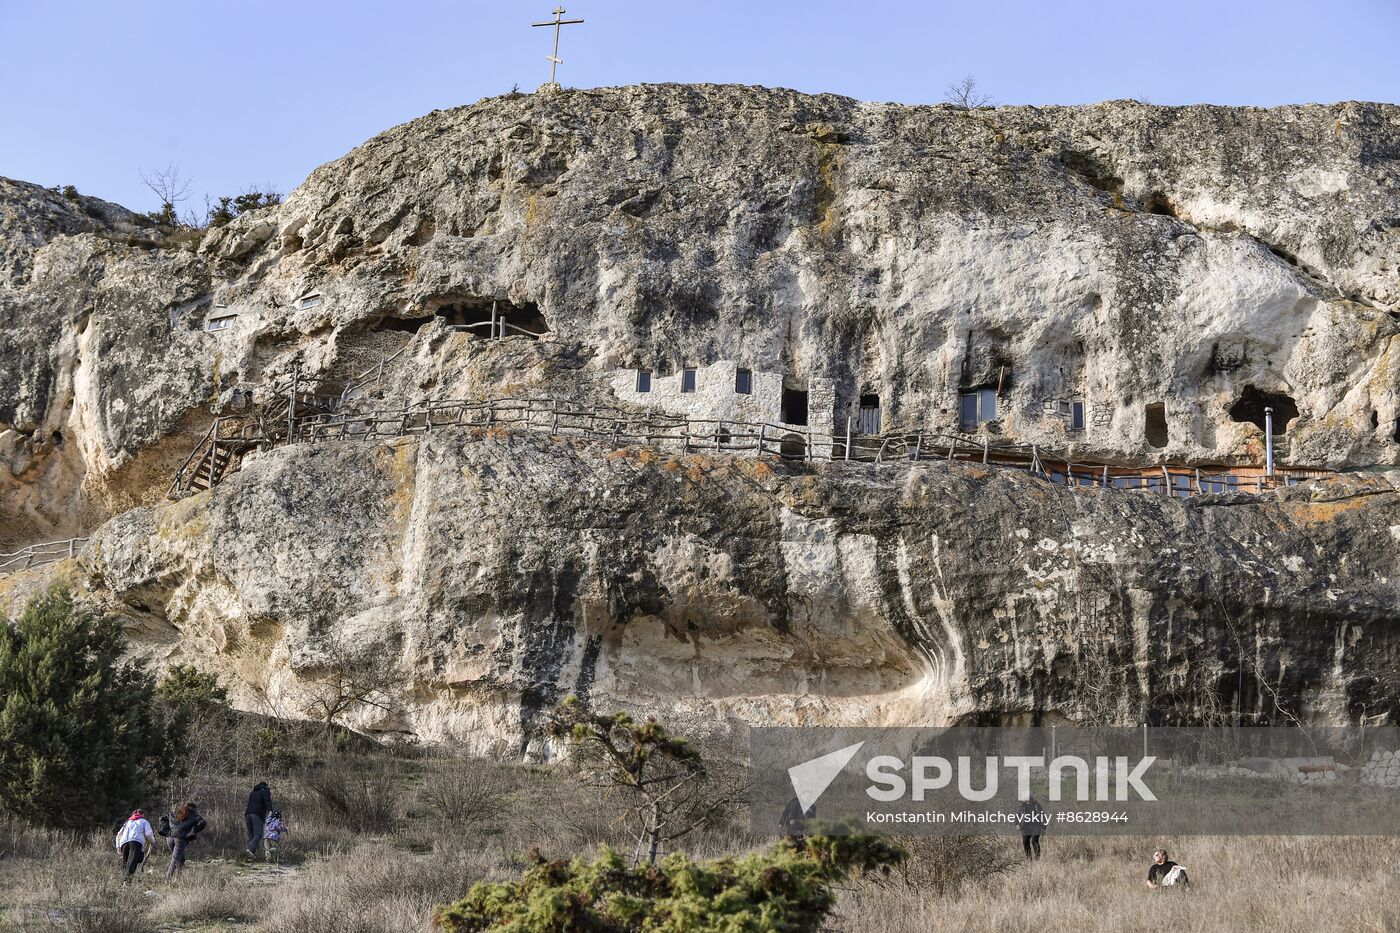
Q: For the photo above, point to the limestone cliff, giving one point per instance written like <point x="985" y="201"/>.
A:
<point x="1120" y="283"/>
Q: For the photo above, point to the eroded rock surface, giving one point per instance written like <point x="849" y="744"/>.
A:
<point x="1168" y="272"/>
<point x="501" y="572"/>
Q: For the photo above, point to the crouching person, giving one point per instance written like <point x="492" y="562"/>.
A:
<point x="1164" y="873"/>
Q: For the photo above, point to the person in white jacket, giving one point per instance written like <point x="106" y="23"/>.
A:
<point x="132" y="842"/>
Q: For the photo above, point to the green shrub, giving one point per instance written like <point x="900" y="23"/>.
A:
<point x="230" y="207"/>
<point x="80" y="739"/>
<point x="185" y="687"/>
<point x="788" y="888"/>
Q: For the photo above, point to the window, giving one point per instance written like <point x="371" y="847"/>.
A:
<point x="987" y="405"/>
<point x="977" y="407"/>
<point x="643" y="380"/>
<point x="688" y="380"/>
<point x="743" y="381"/>
<point x="1076" y="415"/>
<point x="308" y="301"/>
<point x="1155" y="424"/>
<point x="220" y="323"/>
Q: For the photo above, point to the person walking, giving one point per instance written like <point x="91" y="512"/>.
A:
<point x="187" y="827"/>
<point x="132" y="842"/>
<point x="255" y="815"/>
<point x="1032" y="821"/>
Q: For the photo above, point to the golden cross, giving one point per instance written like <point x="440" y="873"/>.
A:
<point x="555" y="60"/>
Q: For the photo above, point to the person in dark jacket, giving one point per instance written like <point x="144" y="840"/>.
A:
<point x="793" y="821"/>
<point x="1031" y="819"/>
<point x="186" y="828"/>
<point x="1164" y="873"/>
<point x="255" y="814"/>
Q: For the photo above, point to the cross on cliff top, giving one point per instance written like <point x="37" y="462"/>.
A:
<point x="554" y="59"/>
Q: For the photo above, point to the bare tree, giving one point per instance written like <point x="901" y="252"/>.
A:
<point x="348" y="679"/>
<point x="673" y="791"/>
<point x="172" y="188"/>
<point x="965" y="96"/>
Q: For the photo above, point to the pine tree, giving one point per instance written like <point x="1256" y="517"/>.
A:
<point x="80" y="738"/>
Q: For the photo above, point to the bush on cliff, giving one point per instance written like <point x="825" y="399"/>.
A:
<point x="788" y="888"/>
<point x="80" y="738"/>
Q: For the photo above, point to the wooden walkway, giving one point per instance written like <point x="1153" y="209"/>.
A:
<point x="621" y="428"/>
<point x="315" y="419"/>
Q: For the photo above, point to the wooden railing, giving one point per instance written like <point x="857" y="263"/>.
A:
<point x="628" y="428"/>
<point x="36" y="555"/>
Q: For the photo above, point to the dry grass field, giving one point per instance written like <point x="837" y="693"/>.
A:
<point x="376" y="841"/>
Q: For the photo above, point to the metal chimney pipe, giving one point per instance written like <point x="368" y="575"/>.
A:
<point x="1268" y="441"/>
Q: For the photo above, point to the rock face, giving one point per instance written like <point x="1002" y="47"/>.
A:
<point x="1119" y="282"/>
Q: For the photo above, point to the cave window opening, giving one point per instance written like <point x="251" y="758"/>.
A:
<point x="722" y="437"/>
<point x="794" y="406"/>
<point x="688" y="379"/>
<point x="977" y="407"/>
<point x="743" y="381"/>
<point x="1155" y="424"/>
<point x="406" y="325"/>
<point x="491" y="318"/>
<point x="643" y="380"/>
<point x="1076" y="415"/>
<point x="309" y="300"/>
<point x="222" y="322"/>
<point x="1252" y="402"/>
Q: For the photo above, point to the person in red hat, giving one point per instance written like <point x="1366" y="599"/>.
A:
<point x="132" y="841"/>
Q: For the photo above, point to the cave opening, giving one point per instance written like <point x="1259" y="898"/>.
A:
<point x="794" y="406"/>
<point x="793" y="447"/>
<point x="486" y="317"/>
<point x="406" y="325"/>
<point x="509" y="318"/>
<point x="1252" y="402"/>
<point x="1156" y="424"/>
<point x="1158" y="203"/>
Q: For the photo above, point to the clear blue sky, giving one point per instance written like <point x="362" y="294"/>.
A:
<point x="246" y="92"/>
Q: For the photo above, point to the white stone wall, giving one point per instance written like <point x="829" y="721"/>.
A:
<point x="714" y="396"/>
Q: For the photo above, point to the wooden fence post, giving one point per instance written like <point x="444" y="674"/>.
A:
<point x="292" y="404"/>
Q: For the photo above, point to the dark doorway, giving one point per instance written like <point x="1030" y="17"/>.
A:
<point x="1157" y="424"/>
<point x="869" y="420"/>
<point x="793" y="447"/>
<point x="1251" y="405"/>
<point x="794" y="406"/>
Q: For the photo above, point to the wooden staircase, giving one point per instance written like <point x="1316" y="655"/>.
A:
<point x="219" y="453"/>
